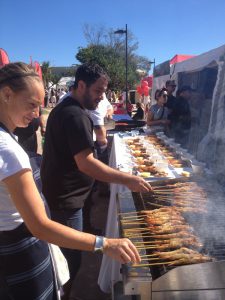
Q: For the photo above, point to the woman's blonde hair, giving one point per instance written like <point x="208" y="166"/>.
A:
<point x="17" y="76"/>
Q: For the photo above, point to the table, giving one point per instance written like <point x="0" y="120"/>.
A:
<point x="122" y="117"/>
<point x="110" y="269"/>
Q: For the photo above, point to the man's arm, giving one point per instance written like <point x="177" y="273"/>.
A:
<point x="98" y="170"/>
<point x="100" y="132"/>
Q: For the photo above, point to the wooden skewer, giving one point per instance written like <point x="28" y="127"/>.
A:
<point x="132" y="217"/>
<point x="150" y="247"/>
<point x="158" y="205"/>
<point x="151" y="259"/>
<point x="149" y="242"/>
<point x="143" y="236"/>
<point x="134" y="223"/>
<point x="149" y="265"/>
<point x="148" y="255"/>
<point x="135" y="228"/>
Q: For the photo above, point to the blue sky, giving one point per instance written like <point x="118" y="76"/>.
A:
<point x="52" y="30"/>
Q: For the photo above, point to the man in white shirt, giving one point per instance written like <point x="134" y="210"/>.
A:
<point x="104" y="110"/>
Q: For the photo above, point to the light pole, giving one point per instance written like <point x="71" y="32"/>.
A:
<point x="122" y="31"/>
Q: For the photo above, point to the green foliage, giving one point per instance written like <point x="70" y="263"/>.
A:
<point x="108" y="50"/>
<point x="46" y="74"/>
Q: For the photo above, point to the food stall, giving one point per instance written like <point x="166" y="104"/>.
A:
<point x="177" y="228"/>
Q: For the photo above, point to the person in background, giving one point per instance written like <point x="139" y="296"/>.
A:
<point x="109" y="95"/>
<point x="103" y="110"/>
<point x="25" y="265"/>
<point x="69" y="167"/>
<point x="128" y="107"/>
<point x="181" y="117"/>
<point x="61" y="94"/>
<point x="158" y="114"/>
<point x="52" y="100"/>
<point x="27" y="137"/>
<point x="113" y="97"/>
<point x="157" y="94"/>
<point x="46" y="99"/>
<point x="171" y="100"/>
<point x="139" y="115"/>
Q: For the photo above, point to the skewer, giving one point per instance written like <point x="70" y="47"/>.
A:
<point x="136" y="229"/>
<point x="150" y="247"/>
<point x="134" y="223"/>
<point x="154" y="204"/>
<point x="151" y="259"/>
<point x="149" y="242"/>
<point x="148" y="255"/>
<point x="149" y="265"/>
<point x="175" y="200"/>
<point x="131" y="217"/>
<point x="144" y="236"/>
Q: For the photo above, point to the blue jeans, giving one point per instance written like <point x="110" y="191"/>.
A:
<point x="72" y="218"/>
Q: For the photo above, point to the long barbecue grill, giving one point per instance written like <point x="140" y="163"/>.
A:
<point x="161" y="281"/>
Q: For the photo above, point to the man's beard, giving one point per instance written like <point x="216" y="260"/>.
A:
<point x="88" y="102"/>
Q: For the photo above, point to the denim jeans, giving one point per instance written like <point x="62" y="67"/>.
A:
<point x="72" y="218"/>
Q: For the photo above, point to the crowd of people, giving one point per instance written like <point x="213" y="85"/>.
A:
<point x="53" y="96"/>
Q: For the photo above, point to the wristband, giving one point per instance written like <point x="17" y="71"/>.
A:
<point x="99" y="243"/>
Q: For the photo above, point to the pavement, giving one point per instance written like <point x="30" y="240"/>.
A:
<point x="85" y="285"/>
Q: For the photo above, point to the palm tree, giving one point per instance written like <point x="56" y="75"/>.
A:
<point x="46" y="73"/>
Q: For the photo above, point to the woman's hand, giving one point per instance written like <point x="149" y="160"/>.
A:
<point x="122" y="250"/>
<point x="165" y="122"/>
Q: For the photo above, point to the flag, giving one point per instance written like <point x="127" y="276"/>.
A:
<point x="4" y="59"/>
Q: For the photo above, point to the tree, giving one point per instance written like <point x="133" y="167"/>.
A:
<point x="108" y="50"/>
<point x="46" y="73"/>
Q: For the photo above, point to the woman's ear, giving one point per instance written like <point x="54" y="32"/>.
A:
<point x="6" y="94"/>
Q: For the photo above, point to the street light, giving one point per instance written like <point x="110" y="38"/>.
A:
<point x="122" y="31"/>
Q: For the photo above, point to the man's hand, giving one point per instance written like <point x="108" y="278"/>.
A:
<point x="138" y="184"/>
<point x="121" y="250"/>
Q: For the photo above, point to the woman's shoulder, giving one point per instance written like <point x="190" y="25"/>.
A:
<point x="153" y="107"/>
<point x="12" y="156"/>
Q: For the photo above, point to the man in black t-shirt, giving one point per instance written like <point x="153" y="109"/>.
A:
<point x="171" y="100"/>
<point x="182" y="116"/>
<point x="69" y="166"/>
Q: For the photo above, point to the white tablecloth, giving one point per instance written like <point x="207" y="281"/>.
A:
<point x="110" y="269"/>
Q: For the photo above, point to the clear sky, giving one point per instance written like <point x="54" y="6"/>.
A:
<point x="52" y="30"/>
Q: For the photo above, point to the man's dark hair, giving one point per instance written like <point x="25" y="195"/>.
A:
<point x="89" y="73"/>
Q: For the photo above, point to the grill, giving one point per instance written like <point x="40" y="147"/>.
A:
<point x="192" y="281"/>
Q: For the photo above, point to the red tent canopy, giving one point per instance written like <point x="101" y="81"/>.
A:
<point x="180" y="57"/>
<point x="4" y="59"/>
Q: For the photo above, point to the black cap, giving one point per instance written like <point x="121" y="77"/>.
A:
<point x="170" y="82"/>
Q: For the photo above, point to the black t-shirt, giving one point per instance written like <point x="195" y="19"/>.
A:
<point x="171" y="102"/>
<point x="182" y="114"/>
<point x="69" y="131"/>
